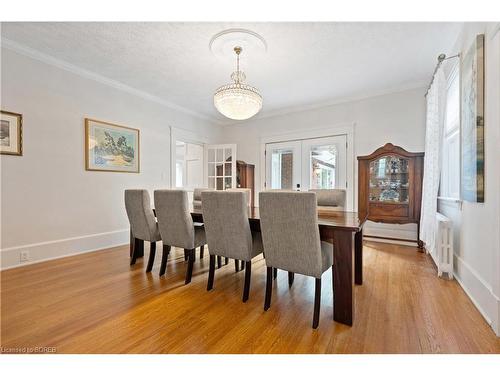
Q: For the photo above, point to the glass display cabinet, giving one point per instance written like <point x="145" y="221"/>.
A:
<point x="390" y="186"/>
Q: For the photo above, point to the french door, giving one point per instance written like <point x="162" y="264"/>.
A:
<point x="316" y="163"/>
<point x="221" y="166"/>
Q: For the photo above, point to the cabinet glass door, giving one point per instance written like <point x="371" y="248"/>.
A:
<point x="389" y="181"/>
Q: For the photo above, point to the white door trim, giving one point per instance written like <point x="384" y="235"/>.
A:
<point x="346" y="129"/>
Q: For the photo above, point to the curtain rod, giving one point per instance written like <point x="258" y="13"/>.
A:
<point x="442" y="57"/>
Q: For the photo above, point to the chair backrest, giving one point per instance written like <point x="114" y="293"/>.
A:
<point x="331" y="197"/>
<point x="247" y="191"/>
<point x="290" y="231"/>
<point x="225" y="214"/>
<point x="174" y="218"/>
<point x="140" y="214"/>
<point x="197" y="196"/>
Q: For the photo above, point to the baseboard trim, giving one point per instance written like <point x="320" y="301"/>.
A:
<point x="397" y="241"/>
<point x="49" y="250"/>
<point x="478" y="291"/>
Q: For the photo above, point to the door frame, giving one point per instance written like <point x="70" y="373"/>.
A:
<point x="346" y="129"/>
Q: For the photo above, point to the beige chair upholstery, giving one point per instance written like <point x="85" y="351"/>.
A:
<point x="176" y="224"/>
<point x="290" y="234"/>
<point x="197" y="196"/>
<point x="142" y="222"/>
<point x="246" y="191"/>
<point x="225" y="214"/>
<point x="331" y="198"/>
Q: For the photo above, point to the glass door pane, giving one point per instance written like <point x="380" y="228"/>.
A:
<point x="324" y="163"/>
<point x="221" y="166"/>
<point x="283" y="166"/>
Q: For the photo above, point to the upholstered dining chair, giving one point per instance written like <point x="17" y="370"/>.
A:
<point x="290" y="234"/>
<point x="197" y="197"/>
<point x="225" y="214"/>
<point x="331" y="199"/>
<point x="142" y="223"/>
<point x="176" y="227"/>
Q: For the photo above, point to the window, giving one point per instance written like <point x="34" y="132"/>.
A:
<point x="450" y="175"/>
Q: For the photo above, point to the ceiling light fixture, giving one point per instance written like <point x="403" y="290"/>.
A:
<point x="237" y="100"/>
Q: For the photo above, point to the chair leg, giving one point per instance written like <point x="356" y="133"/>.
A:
<point x="219" y="261"/>
<point x="189" y="271"/>
<point x="134" y="251"/>
<point x="164" y="258"/>
<point x="152" y="253"/>
<point x="186" y="254"/>
<point x="317" y="303"/>
<point x="291" y="277"/>
<point x="202" y="251"/>
<point x="236" y="265"/>
<point x="248" y="274"/>
<point x="242" y="265"/>
<point x="269" y="288"/>
<point x="211" y="273"/>
<point x="275" y="273"/>
<point x="226" y="261"/>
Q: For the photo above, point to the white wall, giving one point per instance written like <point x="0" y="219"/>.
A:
<point x="477" y="225"/>
<point x="397" y="117"/>
<point x="50" y="205"/>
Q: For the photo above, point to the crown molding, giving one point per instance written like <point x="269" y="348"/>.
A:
<point x="61" y="64"/>
<point x="347" y="99"/>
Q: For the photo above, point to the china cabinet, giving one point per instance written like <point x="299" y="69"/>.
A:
<point x="390" y="186"/>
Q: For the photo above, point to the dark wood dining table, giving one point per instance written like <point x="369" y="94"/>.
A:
<point x="345" y="231"/>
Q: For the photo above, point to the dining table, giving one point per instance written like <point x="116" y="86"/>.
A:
<point x="343" y="229"/>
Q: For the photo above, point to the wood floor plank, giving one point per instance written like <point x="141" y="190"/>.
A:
<point x="97" y="303"/>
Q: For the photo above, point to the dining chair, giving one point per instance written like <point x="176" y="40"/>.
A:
<point x="333" y="199"/>
<point x="197" y="197"/>
<point x="142" y="223"/>
<point x="225" y="214"/>
<point x="290" y="234"/>
<point x="177" y="227"/>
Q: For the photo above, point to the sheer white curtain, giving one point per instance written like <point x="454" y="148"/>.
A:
<point x="432" y="162"/>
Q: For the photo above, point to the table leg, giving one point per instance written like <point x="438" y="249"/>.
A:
<point x="343" y="302"/>
<point x="358" y="258"/>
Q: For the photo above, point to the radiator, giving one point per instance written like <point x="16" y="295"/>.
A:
<point x="444" y="245"/>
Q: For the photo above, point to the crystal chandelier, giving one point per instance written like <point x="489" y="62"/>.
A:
<point x="238" y="101"/>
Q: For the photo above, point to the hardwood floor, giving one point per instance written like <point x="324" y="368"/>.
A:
<point x="97" y="303"/>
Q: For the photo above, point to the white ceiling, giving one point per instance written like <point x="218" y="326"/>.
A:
<point x="306" y="64"/>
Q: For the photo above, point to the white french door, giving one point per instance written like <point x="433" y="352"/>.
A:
<point x="324" y="163"/>
<point x="316" y="163"/>
<point x="283" y="168"/>
<point x="221" y="166"/>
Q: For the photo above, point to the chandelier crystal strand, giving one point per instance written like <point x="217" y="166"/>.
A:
<point x="238" y="101"/>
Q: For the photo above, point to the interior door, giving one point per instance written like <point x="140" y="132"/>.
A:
<point x="324" y="163"/>
<point x="283" y="165"/>
<point x="221" y="166"/>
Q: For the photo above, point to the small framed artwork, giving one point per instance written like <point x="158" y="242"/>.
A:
<point x="472" y="122"/>
<point x="110" y="147"/>
<point x="11" y="133"/>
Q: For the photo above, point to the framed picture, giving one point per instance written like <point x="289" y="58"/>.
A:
<point x="472" y="121"/>
<point x="110" y="147"/>
<point x="11" y="133"/>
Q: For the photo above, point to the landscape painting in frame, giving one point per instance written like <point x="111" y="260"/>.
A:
<point x="472" y="120"/>
<point x="111" y="147"/>
<point x="11" y="142"/>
